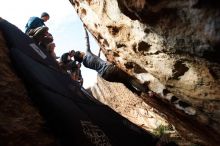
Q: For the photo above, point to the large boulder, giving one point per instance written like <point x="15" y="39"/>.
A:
<point x="172" y="47"/>
<point x="20" y="122"/>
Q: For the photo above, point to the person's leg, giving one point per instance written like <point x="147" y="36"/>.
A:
<point x="109" y="73"/>
<point x="39" y="32"/>
<point x="30" y="33"/>
<point x="115" y="74"/>
<point x="39" y="35"/>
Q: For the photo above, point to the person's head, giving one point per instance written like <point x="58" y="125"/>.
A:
<point x="45" y="16"/>
<point x="79" y="56"/>
<point x="71" y="53"/>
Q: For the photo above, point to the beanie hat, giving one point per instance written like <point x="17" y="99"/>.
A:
<point x="44" y="14"/>
<point x="72" y="51"/>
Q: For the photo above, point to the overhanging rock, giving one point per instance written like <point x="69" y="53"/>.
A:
<point x="172" y="47"/>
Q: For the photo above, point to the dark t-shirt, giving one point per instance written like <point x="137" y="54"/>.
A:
<point x="94" y="62"/>
<point x="65" y="58"/>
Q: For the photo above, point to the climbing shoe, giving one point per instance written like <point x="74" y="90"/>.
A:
<point x="40" y="32"/>
<point x="138" y="86"/>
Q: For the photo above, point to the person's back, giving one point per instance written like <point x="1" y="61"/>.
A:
<point x="38" y="31"/>
<point x="35" y="22"/>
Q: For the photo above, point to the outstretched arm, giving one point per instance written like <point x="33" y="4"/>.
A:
<point x="87" y="41"/>
<point x="99" y="52"/>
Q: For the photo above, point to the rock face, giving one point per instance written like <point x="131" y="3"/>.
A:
<point x="172" y="47"/>
<point x="119" y="98"/>
<point x="129" y="105"/>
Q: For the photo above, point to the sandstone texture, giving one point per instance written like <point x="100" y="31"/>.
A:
<point x="172" y="47"/>
<point x="118" y="97"/>
<point x="135" y="109"/>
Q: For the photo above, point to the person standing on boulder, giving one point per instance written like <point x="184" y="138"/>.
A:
<point x="37" y="30"/>
<point x="36" y="22"/>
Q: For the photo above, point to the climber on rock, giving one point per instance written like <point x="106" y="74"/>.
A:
<point x="36" y="22"/>
<point x="107" y="70"/>
<point x="36" y="29"/>
<point x="66" y="61"/>
<point x="67" y="57"/>
<point x="71" y="66"/>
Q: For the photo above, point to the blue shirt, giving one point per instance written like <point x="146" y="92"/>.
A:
<point x="94" y="62"/>
<point x="34" y="22"/>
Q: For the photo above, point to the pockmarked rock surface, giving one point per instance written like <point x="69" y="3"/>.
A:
<point x="172" y="48"/>
<point x="118" y="97"/>
<point x="135" y="109"/>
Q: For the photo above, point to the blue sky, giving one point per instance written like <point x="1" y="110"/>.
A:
<point x="64" y="25"/>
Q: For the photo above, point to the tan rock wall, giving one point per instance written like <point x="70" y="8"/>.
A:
<point x="171" y="45"/>
<point x="123" y="101"/>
